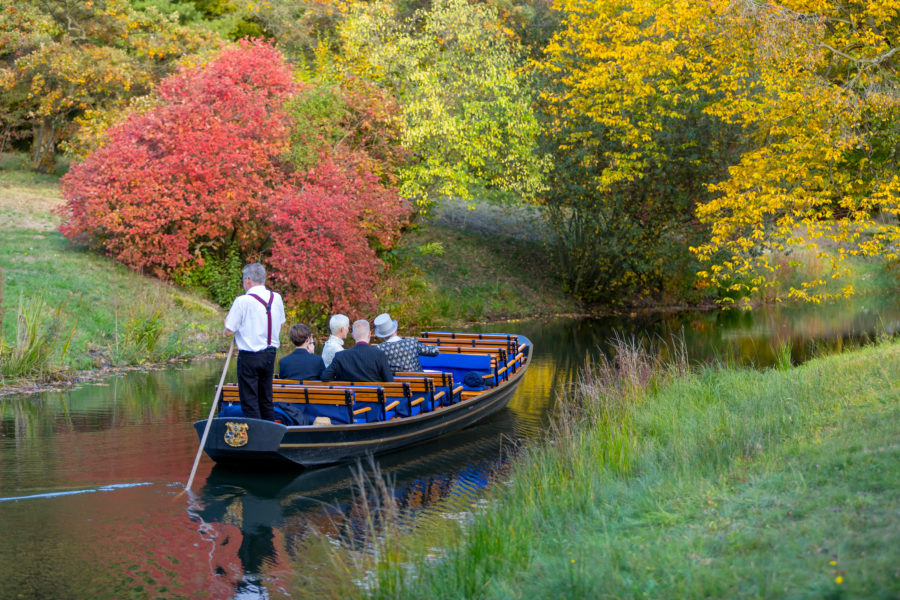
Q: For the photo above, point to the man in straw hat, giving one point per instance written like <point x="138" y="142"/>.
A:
<point x="402" y="353"/>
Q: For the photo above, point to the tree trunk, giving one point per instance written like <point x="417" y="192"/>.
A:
<point x="43" y="145"/>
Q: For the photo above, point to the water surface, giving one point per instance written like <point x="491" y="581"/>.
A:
<point x="90" y="478"/>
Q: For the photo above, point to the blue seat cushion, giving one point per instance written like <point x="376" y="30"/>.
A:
<point x="460" y="365"/>
<point x="287" y="413"/>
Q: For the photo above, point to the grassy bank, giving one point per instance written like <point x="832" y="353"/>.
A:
<point x="663" y="483"/>
<point x="475" y="277"/>
<point x="84" y="311"/>
<point x="64" y="308"/>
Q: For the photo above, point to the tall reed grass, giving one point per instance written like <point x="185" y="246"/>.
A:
<point x="655" y="480"/>
<point x="41" y="344"/>
<point x="365" y="544"/>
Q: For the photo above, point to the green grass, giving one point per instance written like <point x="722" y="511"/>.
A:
<point x="867" y="276"/>
<point x="119" y="317"/>
<point x="671" y="484"/>
<point x="477" y="278"/>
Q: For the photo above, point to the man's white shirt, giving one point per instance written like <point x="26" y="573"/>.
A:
<point x="247" y="319"/>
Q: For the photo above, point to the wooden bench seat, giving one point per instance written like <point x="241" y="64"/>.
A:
<point x="461" y="364"/>
<point x="510" y="340"/>
<point x="339" y="405"/>
<point x="474" y="343"/>
<point x="442" y="382"/>
<point x="398" y="399"/>
<point x="492" y="375"/>
<point x="412" y="395"/>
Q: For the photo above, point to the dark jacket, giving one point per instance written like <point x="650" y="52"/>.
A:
<point x="362" y="362"/>
<point x="300" y="364"/>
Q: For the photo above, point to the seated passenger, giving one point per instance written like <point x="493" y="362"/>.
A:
<point x="402" y="353"/>
<point x="301" y="364"/>
<point x="362" y="362"/>
<point x="340" y="329"/>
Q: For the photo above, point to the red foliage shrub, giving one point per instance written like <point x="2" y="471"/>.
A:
<point x="203" y="173"/>
<point x="193" y="173"/>
<point x="323" y="233"/>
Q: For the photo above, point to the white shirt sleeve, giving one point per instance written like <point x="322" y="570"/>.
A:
<point x="235" y="315"/>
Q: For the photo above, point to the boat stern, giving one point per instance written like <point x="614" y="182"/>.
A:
<point x="241" y="440"/>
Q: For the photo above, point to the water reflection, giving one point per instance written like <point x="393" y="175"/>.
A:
<point x="238" y="536"/>
<point x="261" y="520"/>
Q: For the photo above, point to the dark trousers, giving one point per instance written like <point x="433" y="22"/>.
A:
<point x="254" y="372"/>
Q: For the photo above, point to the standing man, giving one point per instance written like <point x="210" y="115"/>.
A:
<point x="340" y="328"/>
<point x="255" y="320"/>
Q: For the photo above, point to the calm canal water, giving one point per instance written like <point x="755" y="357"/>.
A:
<point x="90" y="478"/>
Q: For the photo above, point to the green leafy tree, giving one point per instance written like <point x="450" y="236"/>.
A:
<point x="62" y="58"/>
<point x="465" y="109"/>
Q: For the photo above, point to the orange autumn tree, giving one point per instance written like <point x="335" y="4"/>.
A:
<point x="811" y="89"/>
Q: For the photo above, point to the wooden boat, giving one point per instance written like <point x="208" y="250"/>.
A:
<point x="372" y="417"/>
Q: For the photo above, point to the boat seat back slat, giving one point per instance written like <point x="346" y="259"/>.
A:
<point x="413" y="397"/>
<point x="508" y="346"/>
<point x="336" y="404"/>
<point x="442" y="381"/>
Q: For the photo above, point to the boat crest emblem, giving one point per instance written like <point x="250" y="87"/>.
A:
<point x="236" y="434"/>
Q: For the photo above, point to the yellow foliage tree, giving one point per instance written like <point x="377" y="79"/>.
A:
<point x="810" y="84"/>
<point x="823" y="103"/>
<point x="65" y="59"/>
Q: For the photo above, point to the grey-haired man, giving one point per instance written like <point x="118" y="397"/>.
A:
<point x="255" y="320"/>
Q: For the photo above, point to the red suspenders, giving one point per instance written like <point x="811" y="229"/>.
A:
<point x="268" y="308"/>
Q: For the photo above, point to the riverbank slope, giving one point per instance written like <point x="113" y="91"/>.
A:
<point x="726" y="483"/>
<point x="87" y="312"/>
<point x="65" y="309"/>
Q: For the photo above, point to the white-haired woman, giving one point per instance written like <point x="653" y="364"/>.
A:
<point x="340" y="328"/>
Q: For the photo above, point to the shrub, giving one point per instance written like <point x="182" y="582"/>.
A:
<point x="205" y="180"/>
<point x="190" y="174"/>
<point x="326" y="234"/>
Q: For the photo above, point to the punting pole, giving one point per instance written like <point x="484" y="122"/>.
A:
<point x="212" y="411"/>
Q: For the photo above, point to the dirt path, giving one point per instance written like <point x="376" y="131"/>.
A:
<point x="519" y="222"/>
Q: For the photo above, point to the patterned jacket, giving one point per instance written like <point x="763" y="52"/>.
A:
<point x="403" y="355"/>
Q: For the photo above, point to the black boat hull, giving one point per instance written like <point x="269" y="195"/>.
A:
<point x="268" y="444"/>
